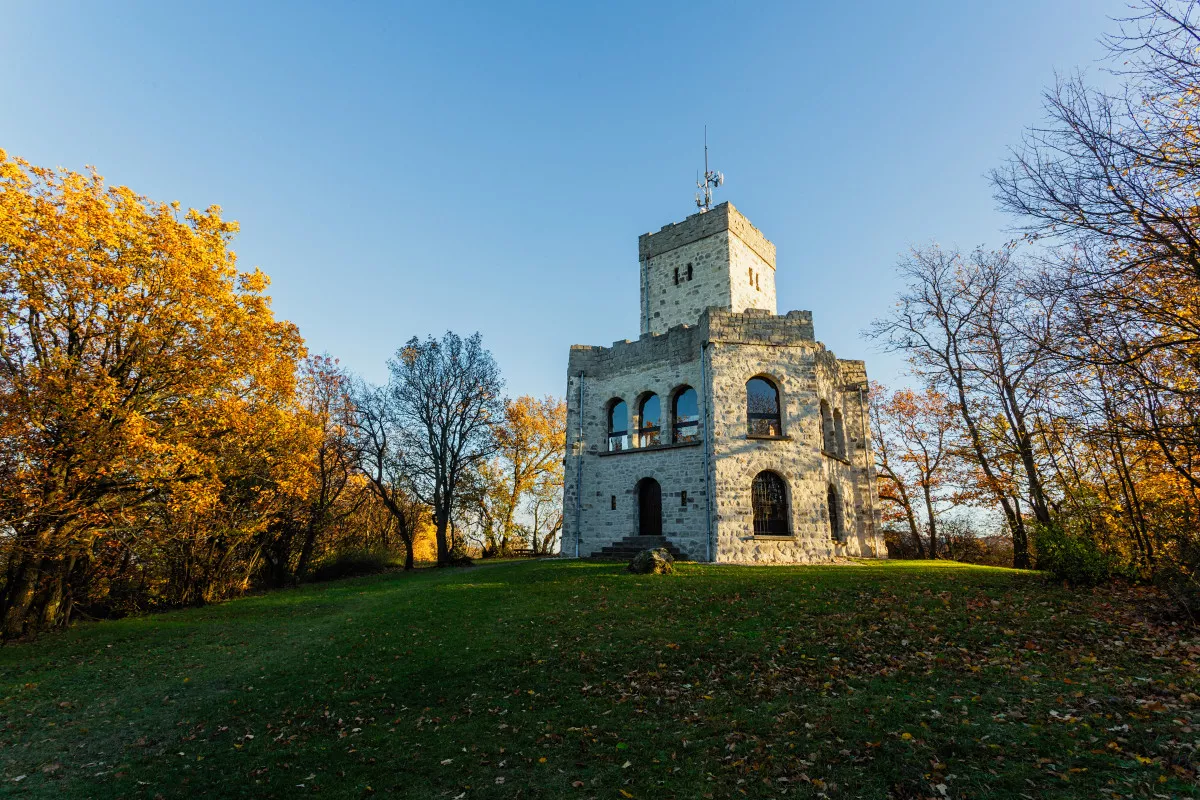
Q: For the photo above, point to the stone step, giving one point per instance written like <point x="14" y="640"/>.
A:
<point x="625" y="549"/>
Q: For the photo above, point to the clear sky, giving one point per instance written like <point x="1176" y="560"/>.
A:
<point x="404" y="169"/>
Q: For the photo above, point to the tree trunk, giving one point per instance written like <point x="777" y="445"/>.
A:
<point x="52" y="603"/>
<point x="306" y="550"/>
<point x="24" y="576"/>
<point x="19" y="594"/>
<point x="933" y="548"/>
<point x="409" y="561"/>
<point x="441" y="521"/>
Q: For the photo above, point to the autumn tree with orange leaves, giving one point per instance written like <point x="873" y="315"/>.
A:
<point x="914" y="435"/>
<point x="133" y="356"/>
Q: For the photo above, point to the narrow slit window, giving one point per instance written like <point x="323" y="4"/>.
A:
<point x="828" y="440"/>
<point x="614" y="502"/>
<point x="835" y="514"/>
<point x="689" y="272"/>
<point x="839" y="433"/>
<point x="677" y="276"/>
<point x="683" y="498"/>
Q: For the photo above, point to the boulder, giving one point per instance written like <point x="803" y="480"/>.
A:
<point x="652" y="562"/>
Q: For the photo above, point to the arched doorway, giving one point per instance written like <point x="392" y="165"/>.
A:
<point x="649" y="500"/>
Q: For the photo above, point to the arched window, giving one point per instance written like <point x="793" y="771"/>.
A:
<point x="618" y="425"/>
<point x="839" y="433"/>
<point x="827" y="438"/>
<point x="835" y="513"/>
<point x="762" y="408"/>
<point x="649" y="416"/>
<point x="686" y="414"/>
<point x="768" y="496"/>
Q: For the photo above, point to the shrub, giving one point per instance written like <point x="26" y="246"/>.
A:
<point x="1179" y="578"/>
<point x="1071" y="557"/>
<point x="352" y="563"/>
<point x="459" y="557"/>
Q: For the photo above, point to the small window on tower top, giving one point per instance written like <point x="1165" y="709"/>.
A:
<point x="689" y="274"/>
<point x="677" y="276"/>
<point x="756" y="286"/>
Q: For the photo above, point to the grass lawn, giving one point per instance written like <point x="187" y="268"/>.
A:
<point x="573" y="679"/>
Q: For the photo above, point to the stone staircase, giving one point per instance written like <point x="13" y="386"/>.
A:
<point x="630" y="546"/>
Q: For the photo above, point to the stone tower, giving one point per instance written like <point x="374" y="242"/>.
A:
<point x="715" y="259"/>
<point x="725" y="432"/>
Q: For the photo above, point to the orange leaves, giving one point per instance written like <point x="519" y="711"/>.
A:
<point x="141" y="369"/>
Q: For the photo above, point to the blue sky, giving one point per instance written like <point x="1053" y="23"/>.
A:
<point x="406" y="169"/>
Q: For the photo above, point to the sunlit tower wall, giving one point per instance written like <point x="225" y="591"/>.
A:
<point x="714" y="258"/>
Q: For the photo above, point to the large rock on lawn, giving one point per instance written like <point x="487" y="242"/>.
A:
<point x="652" y="562"/>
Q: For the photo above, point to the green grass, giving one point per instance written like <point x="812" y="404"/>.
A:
<point x="574" y="679"/>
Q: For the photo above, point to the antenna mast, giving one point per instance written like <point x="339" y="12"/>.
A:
<point x="712" y="179"/>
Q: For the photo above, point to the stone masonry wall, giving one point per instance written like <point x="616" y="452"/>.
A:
<point x="666" y="304"/>
<point x="749" y="345"/>
<point x="628" y="371"/>
<point x="733" y="267"/>
<point x="740" y="346"/>
<point x="751" y="279"/>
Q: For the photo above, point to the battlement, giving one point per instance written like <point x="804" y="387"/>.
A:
<point x="682" y="343"/>
<point x="724" y="217"/>
<point x="679" y="345"/>
<point x="853" y="372"/>
<point x="756" y="326"/>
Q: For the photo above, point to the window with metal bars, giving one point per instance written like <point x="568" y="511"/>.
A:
<point x="768" y="496"/>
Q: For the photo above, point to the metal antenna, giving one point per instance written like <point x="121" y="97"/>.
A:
<point x="712" y="179"/>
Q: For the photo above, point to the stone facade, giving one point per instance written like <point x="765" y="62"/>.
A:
<point x="712" y="259"/>
<point x="714" y="333"/>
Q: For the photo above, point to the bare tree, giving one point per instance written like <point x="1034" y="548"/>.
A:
<point x="1110" y="182"/>
<point x="972" y="332"/>
<point x="325" y="395"/>
<point x="376" y="435"/>
<point x="913" y="434"/>
<point x="894" y="485"/>
<point x="446" y="395"/>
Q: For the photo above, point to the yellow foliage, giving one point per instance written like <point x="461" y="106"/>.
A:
<point x="138" y="368"/>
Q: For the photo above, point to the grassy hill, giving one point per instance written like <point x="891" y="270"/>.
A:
<point x="573" y="679"/>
